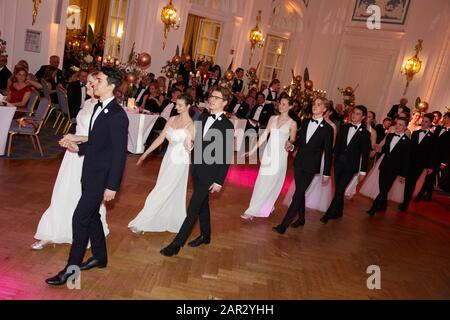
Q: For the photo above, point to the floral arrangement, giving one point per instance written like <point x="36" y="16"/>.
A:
<point x="2" y="46"/>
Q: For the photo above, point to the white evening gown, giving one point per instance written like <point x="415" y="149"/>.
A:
<point x="317" y="197"/>
<point x="56" y="223"/>
<point x="165" y="207"/>
<point x="272" y="172"/>
<point x="370" y="187"/>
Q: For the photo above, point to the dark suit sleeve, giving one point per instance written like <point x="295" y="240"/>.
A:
<point x="40" y="73"/>
<point x="328" y="152"/>
<point x="406" y="156"/>
<point x="228" y="155"/>
<point x="392" y="113"/>
<point x="119" y="136"/>
<point x="366" y="147"/>
<point x="341" y="135"/>
<point x="82" y="148"/>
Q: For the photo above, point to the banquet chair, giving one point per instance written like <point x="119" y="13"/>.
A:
<point x="54" y="107"/>
<point x="29" y="109"/>
<point x="65" y="111"/>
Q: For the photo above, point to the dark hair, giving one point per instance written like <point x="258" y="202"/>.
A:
<point x="84" y="70"/>
<point x="363" y="109"/>
<point x="239" y="70"/>
<point x="387" y="119"/>
<point x="226" y="93"/>
<point x="288" y="98"/>
<point x="274" y="81"/>
<point x="187" y="98"/>
<point x="437" y="112"/>
<point x="175" y="89"/>
<point x="113" y="76"/>
<point x="405" y="120"/>
<point x="260" y="93"/>
<point x="447" y="115"/>
<point x="325" y="102"/>
<point x="430" y="116"/>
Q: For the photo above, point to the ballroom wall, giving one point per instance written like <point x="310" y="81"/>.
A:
<point x="322" y="36"/>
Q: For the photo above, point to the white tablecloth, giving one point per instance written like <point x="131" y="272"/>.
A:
<point x="6" y="117"/>
<point x="140" y="127"/>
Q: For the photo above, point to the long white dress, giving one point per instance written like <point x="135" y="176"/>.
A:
<point x="56" y="223"/>
<point x="272" y="172"/>
<point x="165" y="207"/>
<point x="318" y="196"/>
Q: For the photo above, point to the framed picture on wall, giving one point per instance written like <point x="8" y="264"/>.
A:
<point x="392" y="11"/>
<point x="33" y="41"/>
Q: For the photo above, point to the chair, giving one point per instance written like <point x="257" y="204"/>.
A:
<point x="29" y="109"/>
<point x="54" y="106"/>
<point x="33" y="132"/>
<point x="64" y="107"/>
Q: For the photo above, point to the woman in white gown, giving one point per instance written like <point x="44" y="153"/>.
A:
<point x="318" y="196"/>
<point x="165" y="207"/>
<point x="55" y="226"/>
<point x="272" y="172"/>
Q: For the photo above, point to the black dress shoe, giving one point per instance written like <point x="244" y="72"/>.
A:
<point x="279" y="229"/>
<point x="418" y="198"/>
<point x="170" y="250"/>
<point x="93" y="263"/>
<point x="297" y="224"/>
<point x="60" y="279"/>
<point x="199" y="241"/>
<point x="371" y="212"/>
<point x="402" y="207"/>
<point x="324" y="219"/>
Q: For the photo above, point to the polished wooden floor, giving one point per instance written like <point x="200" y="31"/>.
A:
<point x="245" y="260"/>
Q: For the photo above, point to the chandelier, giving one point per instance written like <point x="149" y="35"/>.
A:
<point x="169" y="18"/>
<point x="412" y="66"/>
<point x="256" y="37"/>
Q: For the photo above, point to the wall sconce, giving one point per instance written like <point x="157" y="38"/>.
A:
<point x="169" y="18"/>
<point x="412" y="66"/>
<point x="256" y="37"/>
<point x="35" y="10"/>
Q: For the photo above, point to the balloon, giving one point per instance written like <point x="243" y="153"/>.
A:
<point x="298" y="79"/>
<point x="423" y="106"/>
<point x="348" y="91"/>
<point x="131" y="78"/>
<point x="309" y="85"/>
<point x="169" y="74"/>
<point x="144" y="60"/>
<point x="176" y="60"/>
<point x="86" y="47"/>
<point x="229" y="75"/>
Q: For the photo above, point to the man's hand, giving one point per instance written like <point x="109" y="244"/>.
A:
<point x="109" y="195"/>
<point x="402" y="180"/>
<point x="289" y="146"/>
<point x="215" y="188"/>
<point x="429" y="171"/>
<point x="325" y="180"/>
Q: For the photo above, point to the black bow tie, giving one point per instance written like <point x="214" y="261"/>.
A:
<point x="213" y="116"/>
<point x="354" y="126"/>
<point x="315" y="121"/>
<point x="396" y="135"/>
<point x="425" y="131"/>
<point x="98" y="105"/>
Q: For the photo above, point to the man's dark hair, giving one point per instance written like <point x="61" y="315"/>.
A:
<point x="363" y="109"/>
<point x="430" y="116"/>
<point x="226" y="93"/>
<point x="405" y="120"/>
<point x="239" y="70"/>
<point x="447" y="115"/>
<point x="274" y="81"/>
<point x="387" y="119"/>
<point x="260" y="93"/>
<point x="113" y="76"/>
<point x="438" y="113"/>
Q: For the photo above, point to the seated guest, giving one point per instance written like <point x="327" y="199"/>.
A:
<point x="383" y="129"/>
<point x="261" y="113"/>
<point x="77" y="94"/>
<point x="197" y="87"/>
<point x="19" y="91"/>
<point x="273" y="91"/>
<point x="54" y="62"/>
<point x="251" y="98"/>
<point x="5" y="74"/>
<point x="214" y="79"/>
<point x="142" y="91"/>
<point x="415" y="123"/>
<point x="238" y="82"/>
<point x="153" y="99"/>
<point x="399" y="108"/>
<point x="238" y="107"/>
<point x="162" y="85"/>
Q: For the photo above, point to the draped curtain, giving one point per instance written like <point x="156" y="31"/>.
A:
<point x="191" y="35"/>
<point x="93" y="11"/>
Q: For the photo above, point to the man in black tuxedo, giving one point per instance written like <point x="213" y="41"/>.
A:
<point x="209" y="170"/>
<point x="442" y="158"/>
<point x="423" y="151"/>
<point x="54" y="62"/>
<point x="315" y="139"/>
<point x="260" y="115"/>
<point x="5" y="74"/>
<point x="77" y="94"/>
<point x="272" y="93"/>
<point x="214" y="79"/>
<point x="103" y="167"/>
<point x="351" y="156"/>
<point x="395" y="164"/>
<point x="238" y="107"/>
<point x="238" y="82"/>
<point x="142" y="90"/>
<point x="398" y="108"/>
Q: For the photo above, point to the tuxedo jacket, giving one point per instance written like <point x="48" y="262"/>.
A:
<point x="271" y="96"/>
<point x="74" y="96"/>
<point x="394" y="111"/>
<point x="152" y="106"/>
<point x="238" y="85"/>
<point x="5" y="74"/>
<point x="423" y="154"/>
<point x="267" y="112"/>
<point x="165" y="103"/>
<point x="442" y="148"/>
<point x="208" y="84"/>
<point x="136" y="95"/>
<point x="213" y="154"/>
<point x="41" y="72"/>
<point x="106" y="150"/>
<point x="397" y="160"/>
<point x="309" y="156"/>
<point x="381" y="132"/>
<point x="242" y="111"/>
<point x="353" y="157"/>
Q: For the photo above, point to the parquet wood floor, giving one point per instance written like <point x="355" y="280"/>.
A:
<point x="246" y="260"/>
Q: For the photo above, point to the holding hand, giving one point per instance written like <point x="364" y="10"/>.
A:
<point x="109" y="195"/>
<point x="325" y="180"/>
<point x="289" y="146"/>
<point x="141" y="159"/>
<point x="402" y="180"/>
<point x="69" y="145"/>
<point x="215" y="188"/>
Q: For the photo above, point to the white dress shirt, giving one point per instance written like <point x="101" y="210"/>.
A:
<point x="100" y="110"/>
<point x="258" y="113"/>
<point x="312" y="127"/>
<point x="167" y="111"/>
<point x="395" y="140"/>
<point x="351" y="132"/>
<point x="210" y="122"/>
<point x="235" y="110"/>
<point x="422" y="135"/>
<point x="83" y="94"/>
<point x="141" y="94"/>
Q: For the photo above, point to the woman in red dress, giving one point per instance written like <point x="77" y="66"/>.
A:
<point x="19" y="91"/>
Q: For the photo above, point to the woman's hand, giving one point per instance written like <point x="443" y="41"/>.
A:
<point x="141" y="159"/>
